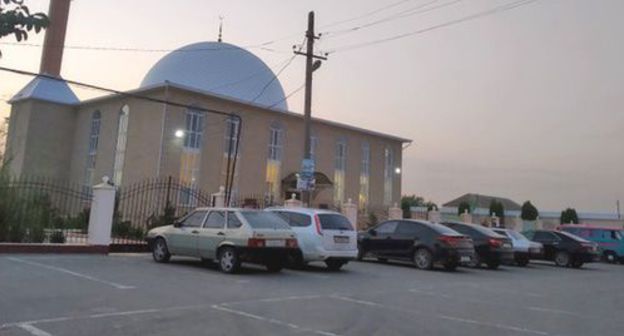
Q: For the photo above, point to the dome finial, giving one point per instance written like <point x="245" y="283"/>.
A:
<point x="220" y="28"/>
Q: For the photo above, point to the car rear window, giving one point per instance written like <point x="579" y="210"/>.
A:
<point x="335" y="222"/>
<point x="483" y="231"/>
<point x="441" y="229"/>
<point x="264" y="220"/>
<point x="573" y="237"/>
<point x="517" y="235"/>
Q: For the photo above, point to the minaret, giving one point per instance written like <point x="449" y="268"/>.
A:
<point x="52" y="54"/>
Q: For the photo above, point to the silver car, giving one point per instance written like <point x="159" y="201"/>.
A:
<point x="228" y="235"/>
<point x="524" y="249"/>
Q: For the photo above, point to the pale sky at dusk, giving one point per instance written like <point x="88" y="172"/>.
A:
<point x="525" y="104"/>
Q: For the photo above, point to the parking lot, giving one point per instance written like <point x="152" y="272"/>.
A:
<point x="131" y="295"/>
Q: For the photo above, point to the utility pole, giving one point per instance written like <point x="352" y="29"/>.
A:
<point x="311" y="66"/>
<point x="618" y="209"/>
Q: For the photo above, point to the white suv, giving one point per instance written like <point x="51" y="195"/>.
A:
<point x="322" y="235"/>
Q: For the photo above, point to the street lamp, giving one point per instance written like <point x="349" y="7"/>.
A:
<point x="397" y="170"/>
<point x="179" y="134"/>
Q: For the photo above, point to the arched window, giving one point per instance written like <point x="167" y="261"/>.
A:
<point x="274" y="162"/>
<point x="191" y="153"/>
<point x="120" y="148"/>
<point x="340" y="165"/>
<point x="94" y="137"/>
<point x="388" y="175"/>
<point x="364" y="177"/>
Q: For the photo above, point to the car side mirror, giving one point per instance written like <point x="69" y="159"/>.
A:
<point x="372" y="232"/>
<point x="177" y="224"/>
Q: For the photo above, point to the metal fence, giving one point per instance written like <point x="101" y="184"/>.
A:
<point x="150" y="203"/>
<point x="43" y="210"/>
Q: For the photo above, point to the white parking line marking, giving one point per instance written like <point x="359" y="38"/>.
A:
<point x="76" y="274"/>
<point x="555" y="311"/>
<point x="276" y="299"/>
<point x="445" y="317"/>
<point x="539" y="309"/>
<point x="34" y="330"/>
<point x="272" y="320"/>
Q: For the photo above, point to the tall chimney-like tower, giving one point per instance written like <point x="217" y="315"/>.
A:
<point x="52" y="54"/>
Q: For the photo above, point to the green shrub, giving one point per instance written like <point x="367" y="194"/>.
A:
<point x="36" y="234"/>
<point x="57" y="237"/>
<point x="122" y="229"/>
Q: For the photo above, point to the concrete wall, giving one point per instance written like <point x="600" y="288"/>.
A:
<point x="38" y="143"/>
<point x="153" y="150"/>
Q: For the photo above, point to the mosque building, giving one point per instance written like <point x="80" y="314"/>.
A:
<point x="129" y="139"/>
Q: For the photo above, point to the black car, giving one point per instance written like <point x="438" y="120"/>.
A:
<point x="490" y="247"/>
<point x="565" y="249"/>
<point x="420" y="242"/>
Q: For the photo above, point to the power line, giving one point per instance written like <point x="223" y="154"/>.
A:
<point x="492" y="11"/>
<point x="420" y="9"/>
<point x="287" y="96"/>
<point x="367" y="14"/>
<point x="276" y="75"/>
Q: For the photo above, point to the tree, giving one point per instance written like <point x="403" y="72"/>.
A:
<point x="569" y="215"/>
<point x="497" y="209"/>
<point x="4" y="127"/>
<point x="463" y="207"/>
<point x="431" y="206"/>
<point x="529" y="211"/>
<point x="16" y="19"/>
<point x="410" y="201"/>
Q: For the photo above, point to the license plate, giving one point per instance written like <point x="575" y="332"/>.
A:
<point x="275" y="243"/>
<point x="507" y="245"/>
<point x="464" y="259"/>
<point x="341" y="240"/>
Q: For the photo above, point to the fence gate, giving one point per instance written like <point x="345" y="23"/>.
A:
<point x="153" y="202"/>
<point x="40" y="210"/>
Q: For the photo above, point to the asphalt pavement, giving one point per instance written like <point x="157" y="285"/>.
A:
<point x="129" y="294"/>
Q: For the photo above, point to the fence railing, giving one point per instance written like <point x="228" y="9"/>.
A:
<point x="150" y="203"/>
<point x="43" y="210"/>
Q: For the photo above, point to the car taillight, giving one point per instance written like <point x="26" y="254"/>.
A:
<point x="317" y="222"/>
<point x="291" y="243"/>
<point x="450" y="240"/>
<point x="495" y="242"/>
<point x="256" y="242"/>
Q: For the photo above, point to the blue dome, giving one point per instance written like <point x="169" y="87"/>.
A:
<point x="220" y="68"/>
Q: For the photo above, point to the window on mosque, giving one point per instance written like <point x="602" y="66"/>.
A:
<point x="340" y="163"/>
<point x="388" y="175"/>
<point x="194" y="129"/>
<point x="94" y="137"/>
<point x="120" y="148"/>
<point x="364" y="177"/>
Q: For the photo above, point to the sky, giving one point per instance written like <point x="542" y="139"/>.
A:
<point x="525" y="103"/>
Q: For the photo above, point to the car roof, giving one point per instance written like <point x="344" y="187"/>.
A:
<point x="226" y="209"/>
<point x="309" y="211"/>
<point x="589" y="227"/>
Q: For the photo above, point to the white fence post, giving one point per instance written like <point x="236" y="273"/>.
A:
<point x="293" y="202"/>
<point x="466" y="217"/>
<point x="351" y="212"/>
<point x="218" y="198"/>
<point x="101" y="216"/>
<point x="395" y="212"/>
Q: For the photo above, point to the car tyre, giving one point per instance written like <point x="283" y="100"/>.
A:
<point x="475" y="261"/>
<point x="423" y="259"/>
<point x="562" y="259"/>
<point x="493" y="265"/>
<point x="610" y="257"/>
<point x="361" y="253"/>
<point x="160" y="251"/>
<point x="450" y="266"/>
<point x="334" y="265"/>
<point x="295" y="261"/>
<point x="274" y="266"/>
<point x="577" y="264"/>
<point x="522" y="262"/>
<point x="229" y="261"/>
